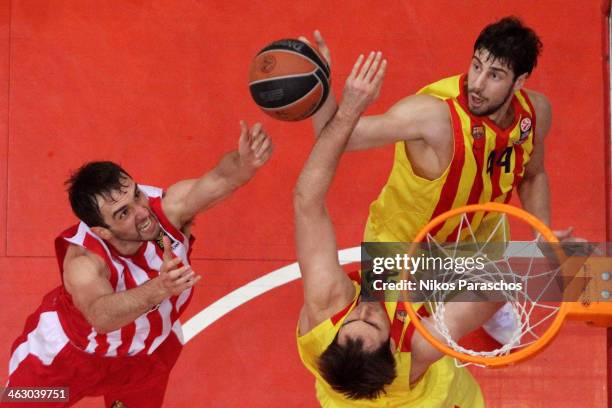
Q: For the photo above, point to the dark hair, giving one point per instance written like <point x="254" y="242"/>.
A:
<point x="512" y="43"/>
<point x="91" y="180"/>
<point x="356" y="373"/>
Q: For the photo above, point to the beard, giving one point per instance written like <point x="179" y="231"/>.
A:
<point x="487" y="110"/>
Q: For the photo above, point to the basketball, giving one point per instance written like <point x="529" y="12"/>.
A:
<point x="289" y="80"/>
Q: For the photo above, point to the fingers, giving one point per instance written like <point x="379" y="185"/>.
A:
<point x="355" y="69"/>
<point x="168" y="255"/>
<point x="366" y="66"/>
<point x="244" y="133"/>
<point x="372" y="70"/>
<point x="177" y="280"/>
<point x="380" y="75"/>
<point x="304" y="39"/>
<point x="319" y="39"/>
<point x="259" y="140"/>
<point x="265" y="146"/>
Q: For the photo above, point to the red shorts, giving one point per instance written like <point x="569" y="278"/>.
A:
<point x="137" y="381"/>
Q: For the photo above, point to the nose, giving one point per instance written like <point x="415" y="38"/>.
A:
<point x="141" y="212"/>
<point x="479" y="82"/>
<point x="364" y="312"/>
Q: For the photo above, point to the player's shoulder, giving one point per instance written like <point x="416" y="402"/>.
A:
<point x="79" y="261"/>
<point x="421" y="108"/>
<point x="540" y="102"/>
<point x="423" y="101"/>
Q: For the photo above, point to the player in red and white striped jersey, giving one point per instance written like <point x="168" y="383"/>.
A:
<point x="112" y="327"/>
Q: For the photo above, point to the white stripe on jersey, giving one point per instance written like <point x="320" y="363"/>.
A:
<point x="150" y="254"/>
<point x="140" y="335"/>
<point x="44" y="342"/>
<point x="182" y="299"/>
<point x="165" y="308"/>
<point x="114" y="338"/>
<point x="93" y="344"/>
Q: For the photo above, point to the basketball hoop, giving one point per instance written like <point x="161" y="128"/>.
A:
<point x="539" y="319"/>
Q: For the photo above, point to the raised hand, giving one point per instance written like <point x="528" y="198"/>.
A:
<point x="321" y="46"/>
<point x="363" y="85"/>
<point x="254" y="145"/>
<point x="172" y="279"/>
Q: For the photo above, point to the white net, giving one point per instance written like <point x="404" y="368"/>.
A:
<point x="524" y="276"/>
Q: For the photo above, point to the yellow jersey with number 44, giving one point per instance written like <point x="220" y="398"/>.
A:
<point x="488" y="162"/>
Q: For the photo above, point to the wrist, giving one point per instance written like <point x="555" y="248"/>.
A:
<point x="245" y="171"/>
<point x="157" y="292"/>
<point x="346" y="114"/>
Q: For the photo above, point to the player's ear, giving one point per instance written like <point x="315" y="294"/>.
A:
<point x="102" y="232"/>
<point x="392" y="345"/>
<point x="520" y="81"/>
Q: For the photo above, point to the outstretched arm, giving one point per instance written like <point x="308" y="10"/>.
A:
<point x="187" y="198"/>
<point x="86" y="279"/>
<point x="416" y="117"/>
<point x="326" y="286"/>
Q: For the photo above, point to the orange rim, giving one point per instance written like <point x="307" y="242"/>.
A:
<point x="523" y="353"/>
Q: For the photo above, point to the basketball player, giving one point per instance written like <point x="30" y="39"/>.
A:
<point x="364" y="353"/>
<point x="466" y="139"/>
<point x="112" y="328"/>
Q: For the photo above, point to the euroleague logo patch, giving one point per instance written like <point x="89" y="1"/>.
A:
<point x="525" y="126"/>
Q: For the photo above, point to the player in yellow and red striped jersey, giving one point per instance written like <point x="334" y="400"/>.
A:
<point x="466" y="139"/>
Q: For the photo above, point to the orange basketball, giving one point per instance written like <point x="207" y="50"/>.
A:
<point x="289" y="80"/>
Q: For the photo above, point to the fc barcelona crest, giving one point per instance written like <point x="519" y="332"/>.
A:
<point x="478" y="132"/>
<point x="401" y="315"/>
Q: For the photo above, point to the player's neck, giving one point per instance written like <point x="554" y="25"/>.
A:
<point x="125" y="248"/>
<point x="504" y="116"/>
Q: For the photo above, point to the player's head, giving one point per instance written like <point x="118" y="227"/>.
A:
<point x="505" y="53"/>
<point x="359" y="363"/>
<point x="106" y="198"/>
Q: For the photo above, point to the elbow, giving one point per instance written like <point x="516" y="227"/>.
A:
<point x="100" y="323"/>
<point x="300" y="201"/>
<point x="305" y="203"/>
<point x="101" y="329"/>
<point x="100" y="326"/>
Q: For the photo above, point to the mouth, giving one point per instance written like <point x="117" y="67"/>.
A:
<point x="146" y="226"/>
<point x="476" y="100"/>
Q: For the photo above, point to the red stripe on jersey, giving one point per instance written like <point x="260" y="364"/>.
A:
<point x="533" y="112"/>
<point x="156" y="206"/>
<point x="61" y="247"/>
<point x="479" y="151"/>
<point x="156" y="327"/>
<point x="140" y="261"/>
<point x="520" y="151"/>
<point x="449" y="190"/>
<point x="407" y="342"/>
<point x="501" y="143"/>
<point x="338" y="316"/>
<point x="518" y="167"/>
<point x="356" y="277"/>
<point x="160" y="253"/>
<point x="93" y="245"/>
<point x="102" y="342"/>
